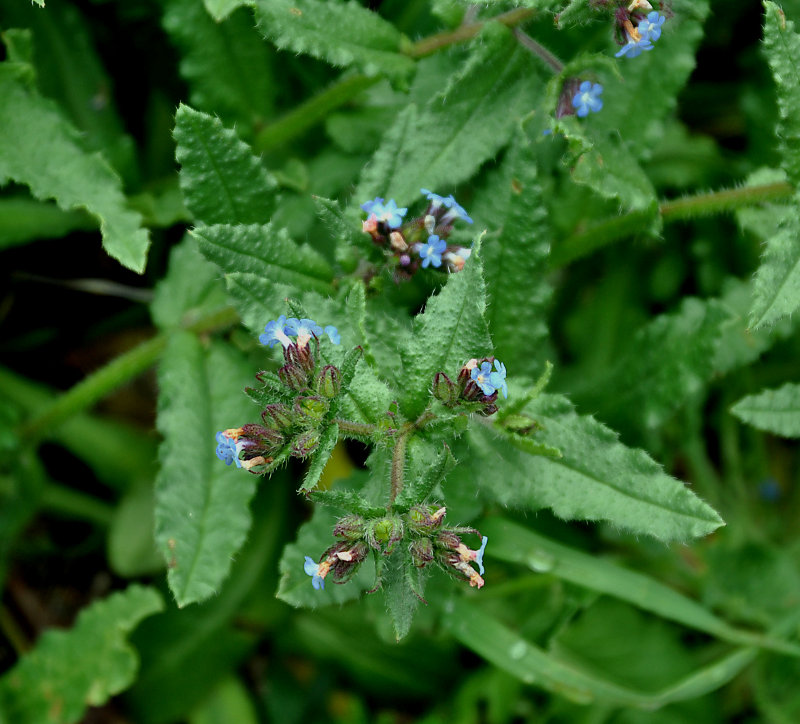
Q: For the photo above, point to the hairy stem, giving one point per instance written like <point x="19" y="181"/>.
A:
<point x="539" y="50"/>
<point x="399" y="463"/>
<point x="355" y="429"/>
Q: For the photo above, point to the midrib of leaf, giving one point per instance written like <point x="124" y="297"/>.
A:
<point x="773" y="298"/>
<point x="234" y="207"/>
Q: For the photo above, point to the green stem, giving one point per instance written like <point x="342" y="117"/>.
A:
<point x="611" y="230"/>
<point x="75" y="504"/>
<point x="539" y="50"/>
<point x="115" y="374"/>
<point x="399" y="463"/>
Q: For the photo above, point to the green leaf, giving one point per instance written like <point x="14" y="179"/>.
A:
<point x="782" y="48"/>
<point x="368" y="397"/>
<point x="340" y="33"/>
<point x="402" y="584"/>
<point x="349" y="500"/>
<point x="511" y="542"/>
<point x="416" y="491"/>
<point x="597" y="477"/>
<point x="313" y="538"/>
<point x="486" y="636"/>
<point x="221" y="180"/>
<point x="220" y="9"/>
<point x="327" y="441"/>
<point x="40" y="149"/>
<point x="23" y="220"/>
<point x="776" y="411"/>
<point x="462" y="126"/>
<point x="202" y="514"/>
<point x="228" y="701"/>
<point x="224" y="60"/>
<point x="776" y="289"/>
<point x="266" y="253"/>
<point x="515" y="257"/>
<point x="57" y="681"/>
<point x="450" y="331"/>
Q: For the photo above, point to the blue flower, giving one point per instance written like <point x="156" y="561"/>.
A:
<point x="275" y="331"/>
<point x="483" y="378"/>
<point x="333" y="334"/>
<point x="479" y="553"/>
<point x="431" y="252"/>
<point x="386" y="212"/>
<point x="303" y="328"/>
<point x="311" y="568"/>
<point x="436" y="200"/>
<point x="634" y="48"/>
<point x="227" y="450"/>
<point x="651" y="27"/>
<point x="456" y="211"/>
<point x="498" y="377"/>
<point x="588" y="98"/>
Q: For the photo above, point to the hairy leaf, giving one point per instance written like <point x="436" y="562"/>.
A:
<point x="597" y="477"/>
<point x="402" y="585"/>
<point x="776" y="411"/>
<point x="328" y="438"/>
<point x="451" y="330"/>
<point x="39" y="148"/>
<point x="221" y="180"/>
<point x="202" y="514"/>
<point x="340" y="33"/>
<point x="69" y="671"/>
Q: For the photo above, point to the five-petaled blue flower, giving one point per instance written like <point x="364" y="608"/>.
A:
<point x="634" y="48"/>
<point x="275" y="331"/>
<point x="483" y="378"/>
<point x="588" y="98"/>
<point x="227" y="450"/>
<point x="479" y="553"/>
<point x="455" y="210"/>
<point x="431" y="252"/>
<point x="306" y="328"/>
<point x="386" y="212"/>
<point x="651" y="26"/>
<point x="311" y="568"/>
<point x="498" y="377"/>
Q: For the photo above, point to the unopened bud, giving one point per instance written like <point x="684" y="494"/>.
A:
<point x="425" y="518"/>
<point x="294" y="377"/>
<point x="397" y="242"/>
<point x="311" y="408"/>
<point x="421" y="552"/>
<point x="384" y="533"/>
<point x="444" y="390"/>
<point x="279" y="417"/>
<point x="351" y="527"/>
<point x="305" y="444"/>
<point x="329" y="381"/>
<point x="300" y="356"/>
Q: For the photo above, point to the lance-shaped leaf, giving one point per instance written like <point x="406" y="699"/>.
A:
<point x="416" y="491"/>
<point x="226" y="63"/>
<point x="776" y="411"/>
<point x="596" y="478"/>
<point x="327" y="441"/>
<point x="267" y="253"/>
<point x="340" y="33"/>
<point x="468" y="122"/>
<point x="403" y="587"/>
<point x="221" y="180"/>
<point x="68" y="671"/>
<point x="451" y="331"/>
<point x="41" y="149"/>
<point x="202" y="513"/>
<point x="349" y="500"/>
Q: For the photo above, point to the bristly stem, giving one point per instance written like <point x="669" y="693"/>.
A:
<point x="538" y="50"/>
<point x="399" y="463"/>
<point x="355" y="429"/>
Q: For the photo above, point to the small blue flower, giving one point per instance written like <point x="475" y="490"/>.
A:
<point x="227" y="450"/>
<point x="333" y="334"/>
<point x="498" y="377"/>
<point x="588" y="98"/>
<point x="651" y="27"/>
<point x="634" y="48"/>
<point x="436" y="200"/>
<point x="479" y="553"/>
<point x="386" y="212"/>
<point x="303" y="328"/>
<point x="456" y="211"/>
<point x="275" y="331"/>
<point x="483" y="378"/>
<point x="311" y="568"/>
<point x="431" y="252"/>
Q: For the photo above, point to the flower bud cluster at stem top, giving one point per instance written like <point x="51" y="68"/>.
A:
<point x="420" y="242"/>
<point x="422" y="529"/>
<point x="476" y="386"/>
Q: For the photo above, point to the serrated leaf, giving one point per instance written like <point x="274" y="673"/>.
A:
<point x="463" y="125"/>
<point x="668" y="361"/>
<point x="776" y="411"/>
<point x="349" y="500"/>
<point x="515" y="257"/>
<point x="40" y="149"/>
<point x="221" y="180"/>
<point x="345" y="230"/>
<point x="327" y="441"/>
<point x="56" y="682"/>
<point x="368" y="397"/>
<point x="267" y="253"/>
<point x="202" y="513"/>
<point x="224" y="60"/>
<point x="776" y="289"/>
<point x="313" y="538"/>
<point x="597" y="477"/>
<point x="782" y="48"/>
<point x="340" y="33"/>
<point x="416" y="491"/>
<point x="450" y="331"/>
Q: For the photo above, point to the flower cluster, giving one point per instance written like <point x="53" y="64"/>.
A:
<point x="476" y="387"/>
<point x="637" y="29"/>
<point x="290" y="428"/>
<point x="421" y="529"/>
<point x="420" y="242"/>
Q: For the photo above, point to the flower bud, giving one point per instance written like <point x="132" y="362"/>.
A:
<point x="348" y="557"/>
<point x="279" y="416"/>
<point x="424" y="519"/>
<point x="384" y="533"/>
<point x="329" y="381"/>
<point x="421" y="551"/>
<point x="444" y="390"/>
<point x="305" y="444"/>
<point x="351" y="527"/>
<point x="311" y="408"/>
<point x="294" y="377"/>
